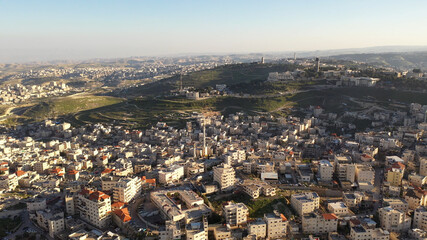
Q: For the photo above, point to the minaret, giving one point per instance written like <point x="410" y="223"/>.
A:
<point x="180" y="82"/>
<point x="204" y="138"/>
<point x="194" y="151"/>
<point x="295" y="56"/>
<point x="317" y="64"/>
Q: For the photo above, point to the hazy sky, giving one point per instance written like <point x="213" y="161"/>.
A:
<point x="77" y="29"/>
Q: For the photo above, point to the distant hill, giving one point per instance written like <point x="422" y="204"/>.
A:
<point x="227" y="74"/>
<point x="400" y="61"/>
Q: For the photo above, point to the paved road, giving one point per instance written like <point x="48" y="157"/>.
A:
<point x="377" y="194"/>
<point x="133" y="210"/>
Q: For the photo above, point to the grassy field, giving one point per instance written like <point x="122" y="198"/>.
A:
<point x="227" y="74"/>
<point x="68" y="105"/>
<point x="257" y="207"/>
<point x="145" y="111"/>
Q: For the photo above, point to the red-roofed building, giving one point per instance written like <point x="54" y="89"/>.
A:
<point x="329" y="216"/>
<point x="98" y="196"/>
<point x="121" y="217"/>
<point x="117" y="205"/>
<point x="57" y="171"/>
<point x="20" y="173"/>
<point x="102" y="160"/>
<point x="148" y="183"/>
<point x="73" y="175"/>
<point x="94" y="207"/>
<point x="4" y="171"/>
<point x="318" y="223"/>
<point x="107" y="171"/>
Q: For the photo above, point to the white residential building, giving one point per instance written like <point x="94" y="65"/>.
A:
<point x="94" y="207"/>
<point x="366" y="233"/>
<point x="235" y="213"/>
<point x="326" y="170"/>
<point x="394" y="220"/>
<point x="127" y="189"/>
<point x="317" y="223"/>
<point x="423" y="166"/>
<point x="277" y="226"/>
<point x="224" y="175"/>
<point x="172" y="231"/>
<point x="396" y="203"/>
<point x="305" y="202"/>
<point x="420" y="218"/>
<point x="41" y="167"/>
<point x="365" y="173"/>
<point x="51" y="221"/>
<point x="258" y="229"/>
<point x="173" y="174"/>
<point x="338" y="208"/>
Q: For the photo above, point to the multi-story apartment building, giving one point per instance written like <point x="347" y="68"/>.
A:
<point x="235" y="213"/>
<point x="173" y="174"/>
<point x="396" y="203"/>
<point x="40" y="167"/>
<point x="365" y="173"/>
<point x="423" y="166"/>
<point x="417" y="180"/>
<point x="395" y="174"/>
<point x="305" y="202"/>
<point x="420" y="218"/>
<point x="352" y="199"/>
<point x="8" y="182"/>
<point x="338" y="208"/>
<point x="366" y="233"/>
<point x="326" y="170"/>
<point x="165" y="201"/>
<point x="318" y="223"/>
<point x="94" y="207"/>
<point x="345" y="169"/>
<point x="394" y="220"/>
<point x="277" y="225"/>
<point x="224" y="175"/>
<point x="127" y="189"/>
<point x="416" y="197"/>
<point x="255" y="188"/>
<point x="172" y="231"/>
<point x="36" y="204"/>
<point x="197" y="230"/>
<point x="52" y="221"/>
<point x="258" y="229"/>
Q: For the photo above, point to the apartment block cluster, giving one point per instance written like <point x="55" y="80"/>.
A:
<point x="137" y="69"/>
<point x="106" y="180"/>
<point x="20" y="93"/>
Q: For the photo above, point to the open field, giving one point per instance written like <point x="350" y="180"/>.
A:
<point x="68" y="105"/>
<point x="144" y="112"/>
<point x="227" y="74"/>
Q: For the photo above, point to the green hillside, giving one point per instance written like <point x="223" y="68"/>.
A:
<point x="68" y="105"/>
<point x="144" y="112"/>
<point x="228" y="74"/>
